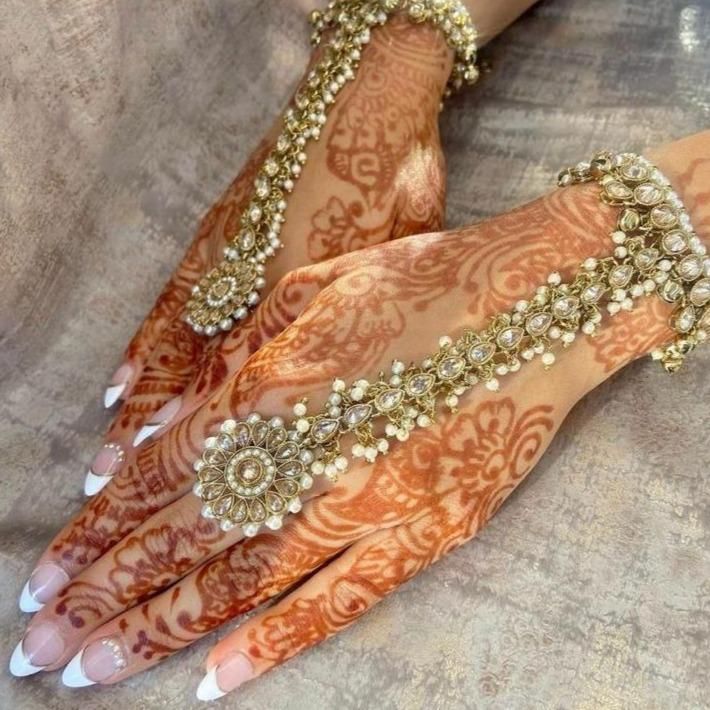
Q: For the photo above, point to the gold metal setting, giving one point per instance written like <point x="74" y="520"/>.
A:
<point x="254" y="471"/>
<point x="227" y="293"/>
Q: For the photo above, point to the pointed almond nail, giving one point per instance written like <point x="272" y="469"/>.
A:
<point x="226" y="676"/>
<point x="20" y="665"/>
<point x="119" y="382"/>
<point x="73" y="674"/>
<point x="105" y="464"/>
<point x="160" y="419"/>
<point x="45" y="583"/>
<point x="97" y="662"/>
<point x="208" y="688"/>
<point x="41" y="646"/>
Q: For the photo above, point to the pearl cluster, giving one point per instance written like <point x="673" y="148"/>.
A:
<point x="655" y="251"/>
<point x="230" y="290"/>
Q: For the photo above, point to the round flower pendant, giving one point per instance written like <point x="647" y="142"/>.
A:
<point x="251" y="474"/>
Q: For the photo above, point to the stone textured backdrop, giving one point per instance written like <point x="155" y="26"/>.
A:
<point x="120" y="122"/>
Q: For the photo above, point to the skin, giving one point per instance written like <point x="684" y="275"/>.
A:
<point x="147" y="570"/>
<point x="376" y="174"/>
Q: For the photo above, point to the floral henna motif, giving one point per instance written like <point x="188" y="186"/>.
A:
<point x="385" y="144"/>
<point x="467" y="468"/>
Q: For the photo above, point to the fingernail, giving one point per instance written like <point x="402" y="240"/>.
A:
<point x="41" y="646"/>
<point x="43" y="585"/>
<point x="119" y="382"/>
<point x="158" y="420"/>
<point x="99" y="661"/>
<point x="105" y="464"/>
<point x="225" y="677"/>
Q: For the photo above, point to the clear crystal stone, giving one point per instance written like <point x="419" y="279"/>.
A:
<point x="276" y="437"/>
<point x="675" y="242"/>
<point x="685" y="320"/>
<point x="538" y="323"/>
<point x="509" y="337"/>
<point x="621" y="275"/>
<point x="259" y="432"/>
<point x="324" y="429"/>
<point x="286" y="451"/>
<point x="593" y="293"/>
<point x="247" y="239"/>
<point x="649" y="194"/>
<point x="420" y="384"/>
<point x="646" y="258"/>
<point x="257" y="511"/>
<point x="240" y="512"/>
<point x="357" y="414"/>
<point x="275" y="503"/>
<point x="690" y="268"/>
<point x="481" y="353"/>
<point x="617" y="190"/>
<point x="634" y="171"/>
<point x="450" y="367"/>
<point x="388" y="399"/>
<point x="225" y="441"/>
<point x="663" y="216"/>
<point x="629" y="220"/>
<point x="565" y="307"/>
<point x="700" y="293"/>
<point x="287" y="487"/>
<point x="291" y="469"/>
<point x="223" y="505"/>
<point x="671" y="291"/>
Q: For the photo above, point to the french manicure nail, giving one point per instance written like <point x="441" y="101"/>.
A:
<point x="41" y="646"/>
<point x="95" y="663"/>
<point x="158" y="420"/>
<point x="119" y="382"/>
<point x="105" y="464"/>
<point x="43" y="585"/>
<point x="225" y="677"/>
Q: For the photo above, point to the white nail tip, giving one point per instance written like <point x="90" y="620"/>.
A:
<point x="145" y="432"/>
<point x="112" y="394"/>
<point x="19" y="665"/>
<point x="27" y="602"/>
<point x="93" y="483"/>
<point x="208" y="688"/>
<point x="73" y="674"/>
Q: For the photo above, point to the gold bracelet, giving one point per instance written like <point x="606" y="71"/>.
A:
<point x="227" y="293"/>
<point x="254" y="471"/>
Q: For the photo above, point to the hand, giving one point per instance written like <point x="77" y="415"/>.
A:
<point x="375" y="174"/>
<point x="382" y="523"/>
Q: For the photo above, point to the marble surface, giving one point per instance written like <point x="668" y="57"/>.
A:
<point x="120" y="122"/>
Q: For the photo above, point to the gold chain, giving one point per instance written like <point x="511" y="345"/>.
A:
<point x="226" y="294"/>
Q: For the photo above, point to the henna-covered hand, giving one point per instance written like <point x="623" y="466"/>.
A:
<point x="148" y="575"/>
<point x="376" y="174"/>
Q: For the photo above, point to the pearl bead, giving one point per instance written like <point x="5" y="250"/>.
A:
<point x="548" y="359"/>
<point x="299" y="409"/>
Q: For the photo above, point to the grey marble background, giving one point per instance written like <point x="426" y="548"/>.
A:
<point x="120" y="122"/>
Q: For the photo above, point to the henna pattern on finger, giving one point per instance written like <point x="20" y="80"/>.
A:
<point x="443" y="485"/>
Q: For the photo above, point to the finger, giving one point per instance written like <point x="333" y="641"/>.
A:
<point x="157" y="475"/>
<point x="327" y="603"/>
<point x="231" y="583"/>
<point x="217" y="227"/>
<point x="159" y="401"/>
<point x="164" y="549"/>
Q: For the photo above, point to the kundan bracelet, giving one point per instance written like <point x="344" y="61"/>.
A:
<point x="227" y="293"/>
<point x="254" y="471"/>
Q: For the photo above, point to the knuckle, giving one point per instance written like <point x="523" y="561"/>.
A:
<point x="351" y="594"/>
